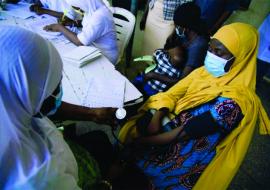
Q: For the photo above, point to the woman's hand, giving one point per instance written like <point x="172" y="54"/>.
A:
<point x="105" y="116"/>
<point x="54" y="27"/>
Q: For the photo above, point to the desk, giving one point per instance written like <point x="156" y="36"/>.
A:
<point x="101" y="68"/>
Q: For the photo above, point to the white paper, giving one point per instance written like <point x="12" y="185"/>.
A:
<point x="38" y="25"/>
<point x="20" y="10"/>
<point x="105" y="93"/>
<point x="80" y="52"/>
<point x="75" y="80"/>
<point x="20" y="13"/>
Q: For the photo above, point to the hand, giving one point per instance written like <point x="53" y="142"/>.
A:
<point x="105" y="116"/>
<point x="53" y="27"/>
<point x="67" y="22"/>
<point x="154" y="126"/>
<point x="37" y="9"/>
<point x="149" y="76"/>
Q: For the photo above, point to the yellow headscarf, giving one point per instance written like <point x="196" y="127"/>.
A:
<point x="200" y="87"/>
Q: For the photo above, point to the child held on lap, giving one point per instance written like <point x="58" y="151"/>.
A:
<point x="168" y="70"/>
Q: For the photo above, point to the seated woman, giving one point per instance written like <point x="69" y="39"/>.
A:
<point x="33" y="154"/>
<point x="97" y="28"/>
<point x="214" y="111"/>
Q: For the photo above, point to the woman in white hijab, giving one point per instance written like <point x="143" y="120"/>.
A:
<point x="33" y="154"/>
<point x="56" y="8"/>
<point x="97" y="28"/>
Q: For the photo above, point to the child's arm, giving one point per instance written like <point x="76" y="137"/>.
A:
<point x="164" y="79"/>
<point x="156" y="122"/>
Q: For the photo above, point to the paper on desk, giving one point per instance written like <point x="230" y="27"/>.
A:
<point x="38" y="25"/>
<point x="19" y="10"/>
<point x="80" y="52"/>
<point x="20" y="13"/>
<point x="20" y="5"/>
<point x="105" y="93"/>
<point x="75" y="85"/>
<point x="82" y="55"/>
<point x="69" y="94"/>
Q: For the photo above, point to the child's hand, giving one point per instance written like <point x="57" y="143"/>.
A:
<point x="149" y="76"/>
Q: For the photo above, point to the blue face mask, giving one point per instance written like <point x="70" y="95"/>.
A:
<point x="58" y="102"/>
<point x="180" y="32"/>
<point x="215" y="65"/>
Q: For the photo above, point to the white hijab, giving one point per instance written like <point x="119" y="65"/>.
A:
<point x="30" y="70"/>
<point x="60" y="6"/>
<point x="88" y="6"/>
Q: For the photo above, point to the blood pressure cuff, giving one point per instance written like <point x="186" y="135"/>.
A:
<point x="201" y="126"/>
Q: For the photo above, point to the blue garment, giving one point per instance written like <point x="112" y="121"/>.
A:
<point x="264" y="48"/>
<point x="211" y="10"/>
<point x="180" y="164"/>
<point x="143" y="87"/>
<point x="196" y="52"/>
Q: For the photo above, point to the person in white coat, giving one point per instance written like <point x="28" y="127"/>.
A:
<point x="98" y="27"/>
<point x="57" y="8"/>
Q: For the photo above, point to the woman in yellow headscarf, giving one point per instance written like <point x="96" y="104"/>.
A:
<point x="215" y="110"/>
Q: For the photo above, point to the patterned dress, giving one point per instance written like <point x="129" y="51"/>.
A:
<point x="180" y="164"/>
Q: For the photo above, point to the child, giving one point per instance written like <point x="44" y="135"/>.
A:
<point x="169" y="65"/>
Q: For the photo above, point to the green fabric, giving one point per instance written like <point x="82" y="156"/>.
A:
<point x="89" y="173"/>
<point x="146" y="58"/>
<point x="254" y="16"/>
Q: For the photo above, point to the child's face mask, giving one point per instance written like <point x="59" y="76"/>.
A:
<point x="180" y="32"/>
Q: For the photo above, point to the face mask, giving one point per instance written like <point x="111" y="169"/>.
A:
<point x="58" y="101"/>
<point x="215" y="65"/>
<point x="180" y="32"/>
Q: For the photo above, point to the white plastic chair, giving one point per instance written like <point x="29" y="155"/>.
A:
<point x="106" y="2"/>
<point x="124" y="23"/>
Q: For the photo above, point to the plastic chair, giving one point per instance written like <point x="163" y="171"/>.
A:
<point x="149" y="60"/>
<point x="124" y="23"/>
<point x="106" y="2"/>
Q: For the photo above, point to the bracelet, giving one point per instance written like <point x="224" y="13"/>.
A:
<point x="107" y="183"/>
